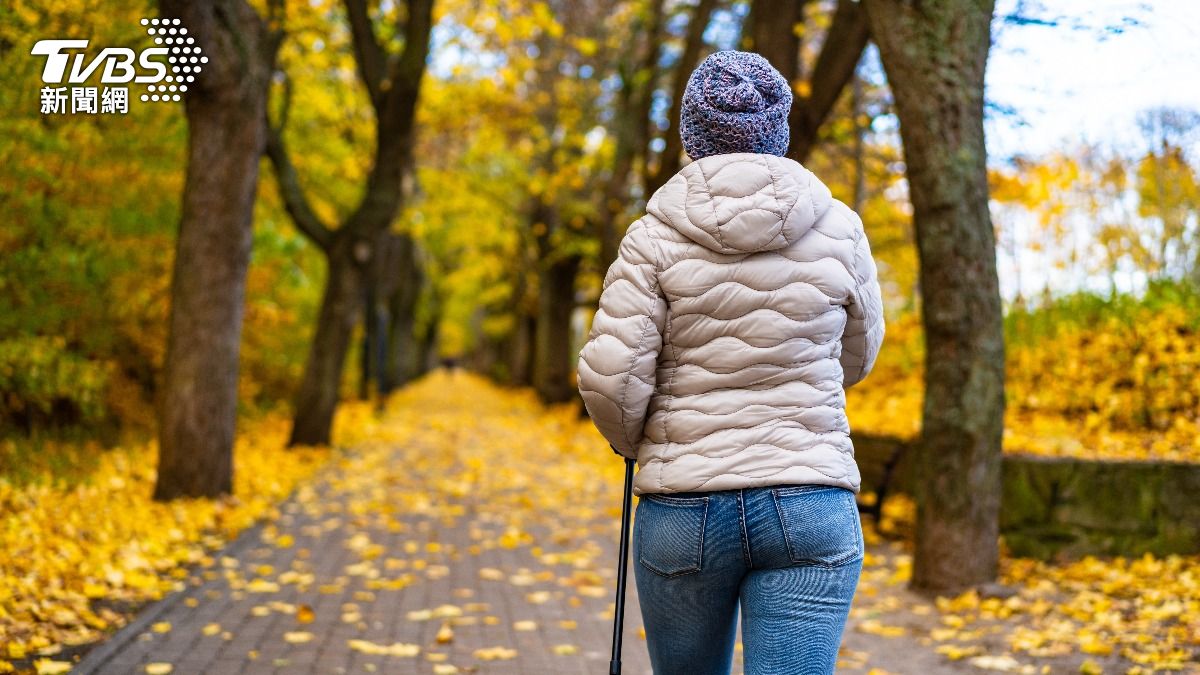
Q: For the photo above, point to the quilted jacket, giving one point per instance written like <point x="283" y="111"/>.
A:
<point x="738" y="310"/>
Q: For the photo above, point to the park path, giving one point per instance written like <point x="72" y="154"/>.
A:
<point x="476" y="533"/>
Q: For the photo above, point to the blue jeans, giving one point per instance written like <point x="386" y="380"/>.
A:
<point x="791" y="554"/>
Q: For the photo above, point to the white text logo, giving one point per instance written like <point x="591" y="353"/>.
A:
<point x="165" y="70"/>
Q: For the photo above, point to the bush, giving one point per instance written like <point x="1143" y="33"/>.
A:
<point x="43" y="384"/>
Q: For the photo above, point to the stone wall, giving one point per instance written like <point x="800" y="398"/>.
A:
<point x="1074" y="507"/>
<point x="1067" y="507"/>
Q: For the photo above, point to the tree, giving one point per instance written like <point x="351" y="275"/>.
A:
<point x="1168" y="189"/>
<point x="225" y="110"/>
<point x="392" y="79"/>
<point x="774" y="32"/>
<point x="670" y="159"/>
<point x="934" y="54"/>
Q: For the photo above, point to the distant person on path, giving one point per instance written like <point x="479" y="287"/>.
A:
<point x="738" y="310"/>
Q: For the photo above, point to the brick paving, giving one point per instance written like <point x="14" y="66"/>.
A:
<point x="247" y="625"/>
<point x="447" y="521"/>
<point x="254" y="620"/>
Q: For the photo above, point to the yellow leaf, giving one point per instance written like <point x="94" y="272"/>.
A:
<point x="48" y="667"/>
<point x="298" y="637"/>
<point x="211" y="629"/>
<point x="395" y="649"/>
<point x="495" y="653"/>
<point x="305" y="614"/>
<point x="159" y="668"/>
<point x="262" y="586"/>
<point x="565" y="650"/>
<point x="491" y="573"/>
<point x="874" y="627"/>
<point x="161" y="627"/>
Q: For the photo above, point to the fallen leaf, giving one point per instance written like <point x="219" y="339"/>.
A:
<point x="49" y="667"/>
<point x="495" y="653"/>
<point x="305" y="614"/>
<point x="395" y="649"/>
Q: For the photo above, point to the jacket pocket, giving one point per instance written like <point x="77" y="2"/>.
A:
<point x="671" y="533"/>
<point x="821" y="525"/>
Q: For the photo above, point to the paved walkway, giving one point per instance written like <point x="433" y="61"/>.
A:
<point x="475" y="536"/>
<point x="246" y="613"/>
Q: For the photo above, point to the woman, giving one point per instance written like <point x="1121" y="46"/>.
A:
<point x="739" y="308"/>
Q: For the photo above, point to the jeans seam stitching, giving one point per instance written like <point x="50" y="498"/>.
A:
<point x="787" y="541"/>
<point x="745" y="534"/>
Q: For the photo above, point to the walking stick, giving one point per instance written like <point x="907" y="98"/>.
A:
<point x="614" y="666"/>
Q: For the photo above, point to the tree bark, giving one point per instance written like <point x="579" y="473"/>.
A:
<point x="556" y="303"/>
<point x="402" y="364"/>
<point x="341" y="303"/>
<point x="772" y="33"/>
<point x="934" y="53"/>
<point x="225" y="110"/>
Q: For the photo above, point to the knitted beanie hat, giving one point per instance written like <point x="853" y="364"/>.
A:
<point x="735" y="102"/>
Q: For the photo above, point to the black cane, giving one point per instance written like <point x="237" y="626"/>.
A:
<point x="614" y="666"/>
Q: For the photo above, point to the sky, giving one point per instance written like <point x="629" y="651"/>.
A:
<point x="1069" y="85"/>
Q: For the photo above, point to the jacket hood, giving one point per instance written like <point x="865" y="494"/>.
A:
<point x="742" y="202"/>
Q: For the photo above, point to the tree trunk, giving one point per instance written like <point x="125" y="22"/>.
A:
<point x="372" y="315"/>
<point x="427" y="352"/>
<point x="934" y="53"/>
<point x="340" y="305"/>
<point x="860" y="144"/>
<point x="556" y="302"/>
<point x="402" y="364"/>
<point x="521" y="350"/>
<point x="772" y="33"/>
<point x="225" y="108"/>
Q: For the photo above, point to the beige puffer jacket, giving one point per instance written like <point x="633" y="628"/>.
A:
<point x="738" y="308"/>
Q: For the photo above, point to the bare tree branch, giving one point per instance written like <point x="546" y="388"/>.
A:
<point x="844" y="45"/>
<point x="294" y="199"/>
<point x="772" y="26"/>
<point x="410" y="67"/>
<point x="669" y="160"/>
<point x="368" y="54"/>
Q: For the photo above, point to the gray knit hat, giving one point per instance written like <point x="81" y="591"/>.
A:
<point x="735" y="102"/>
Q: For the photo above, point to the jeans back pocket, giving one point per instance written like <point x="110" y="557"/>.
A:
<point x="670" y="533"/>
<point x="820" y="524"/>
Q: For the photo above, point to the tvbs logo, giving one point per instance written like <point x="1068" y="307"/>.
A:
<point x="165" y="69"/>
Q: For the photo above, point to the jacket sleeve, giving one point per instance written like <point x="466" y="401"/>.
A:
<point x="618" y="363"/>
<point x="864" y="327"/>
